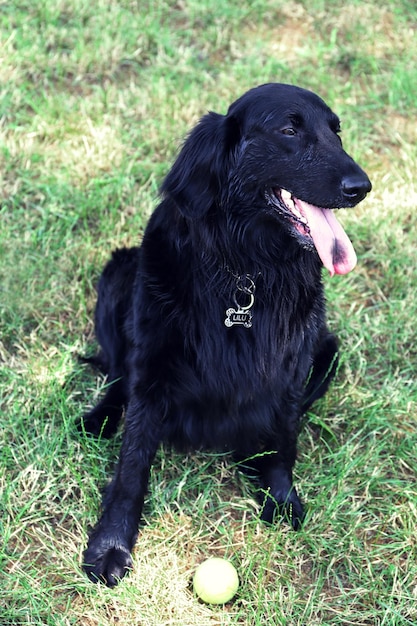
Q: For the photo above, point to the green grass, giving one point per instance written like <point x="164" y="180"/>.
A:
<point x="95" y="100"/>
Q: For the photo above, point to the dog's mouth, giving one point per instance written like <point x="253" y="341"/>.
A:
<point x="318" y="226"/>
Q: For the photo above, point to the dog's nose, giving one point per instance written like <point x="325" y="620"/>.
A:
<point x="356" y="187"/>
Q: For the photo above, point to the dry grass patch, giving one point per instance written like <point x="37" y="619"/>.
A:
<point x="75" y="145"/>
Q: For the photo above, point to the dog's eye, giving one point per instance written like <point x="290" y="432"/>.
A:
<point x="289" y="131"/>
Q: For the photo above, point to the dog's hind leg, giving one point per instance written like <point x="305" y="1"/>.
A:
<point x="104" y="418"/>
<point x="113" y="309"/>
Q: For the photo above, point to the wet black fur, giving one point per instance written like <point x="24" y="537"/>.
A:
<point x="179" y="372"/>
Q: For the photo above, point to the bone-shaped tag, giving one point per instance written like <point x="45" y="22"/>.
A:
<point x="241" y="315"/>
<point x="238" y="317"/>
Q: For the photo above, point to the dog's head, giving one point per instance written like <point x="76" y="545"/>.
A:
<point x="276" y="160"/>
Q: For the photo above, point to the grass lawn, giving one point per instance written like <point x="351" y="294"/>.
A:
<point x="95" y="99"/>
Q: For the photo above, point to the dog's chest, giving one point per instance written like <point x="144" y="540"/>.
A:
<point x="254" y="340"/>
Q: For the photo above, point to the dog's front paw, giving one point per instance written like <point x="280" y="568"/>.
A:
<point x="288" y="508"/>
<point x="106" y="561"/>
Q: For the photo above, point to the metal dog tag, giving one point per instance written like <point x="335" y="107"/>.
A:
<point x="241" y="315"/>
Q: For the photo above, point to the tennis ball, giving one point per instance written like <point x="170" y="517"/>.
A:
<point x="216" y="581"/>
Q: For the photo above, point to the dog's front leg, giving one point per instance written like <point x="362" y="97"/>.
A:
<point x="108" y="554"/>
<point x="275" y="468"/>
<point x="281" y="496"/>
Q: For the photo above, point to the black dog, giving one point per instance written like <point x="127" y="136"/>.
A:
<point x="213" y="332"/>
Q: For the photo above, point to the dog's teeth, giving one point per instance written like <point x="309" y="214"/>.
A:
<point x="287" y="199"/>
<point x="290" y="204"/>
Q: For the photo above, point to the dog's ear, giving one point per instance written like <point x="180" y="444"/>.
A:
<point x="200" y="171"/>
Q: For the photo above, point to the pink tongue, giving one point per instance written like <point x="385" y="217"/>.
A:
<point x="332" y="243"/>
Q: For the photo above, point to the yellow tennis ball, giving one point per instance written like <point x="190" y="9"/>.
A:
<point x="216" y="581"/>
